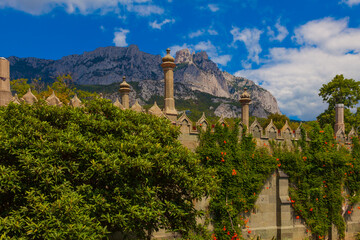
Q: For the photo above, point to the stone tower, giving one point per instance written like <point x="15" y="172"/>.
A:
<point x="339" y="118"/>
<point x="124" y="91"/>
<point x="168" y="66"/>
<point x="245" y="101"/>
<point x="5" y="93"/>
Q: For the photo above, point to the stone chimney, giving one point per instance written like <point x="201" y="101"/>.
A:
<point x="245" y="101"/>
<point x="5" y="93"/>
<point x="168" y="66"/>
<point x="124" y="91"/>
<point x="339" y="118"/>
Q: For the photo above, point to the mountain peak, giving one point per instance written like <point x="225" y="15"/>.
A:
<point x="183" y="56"/>
<point x="201" y="55"/>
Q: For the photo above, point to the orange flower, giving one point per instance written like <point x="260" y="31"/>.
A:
<point x="224" y="228"/>
<point x="228" y="233"/>
<point x="349" y="212"/>
<point x="297" y="217"/>
<point x="249" y="232"/>
<point x="224" y="141"/>
<point x="233" y="172"/>
<point x="311" y="209"/>
<point x="277" y="159"/>
<point x="279" y="165"/>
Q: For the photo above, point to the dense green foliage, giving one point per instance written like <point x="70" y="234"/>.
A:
<point x="82" y="173"/>
<point x="319" y="174"/>
<point x="340" y="90"/>
<point x="241" y="170"/>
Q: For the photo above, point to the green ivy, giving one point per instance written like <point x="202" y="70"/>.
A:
<point x="240" y="170"/>
<point x="318" y="175"/>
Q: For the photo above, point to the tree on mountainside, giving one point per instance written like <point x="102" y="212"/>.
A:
<point x="339" y="90"/>
<point x="82" y="173"/>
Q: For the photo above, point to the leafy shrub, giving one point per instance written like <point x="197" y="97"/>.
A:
<point x="69" y="173"/>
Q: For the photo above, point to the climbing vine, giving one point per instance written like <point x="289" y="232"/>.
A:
<point x="240" y="170"/>
<point x="324" y="180"/>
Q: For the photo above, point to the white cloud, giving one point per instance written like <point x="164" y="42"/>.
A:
<point x="351" y="2"/>
<point x="38" y="7"/>
<point x="157" y="25"/>
<point x="212" y="32"/>
<point x="281" y="30"/>
<point x="330" y="35"/>
<point x="102" y="28"/>
<point x="213" y="7"/>
<point x="197" y="33"/>
<point x="294" y="75"/>
<point x="206" y="46"/>
<point x="222" y="60"/>
<point x="251" y="38"/>
<point x="201" y="32"/>
<point x="120" y="37"/>
<point x="145" y="10"/>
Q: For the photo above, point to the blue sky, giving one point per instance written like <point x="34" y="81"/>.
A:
<point x="290" y="48"/>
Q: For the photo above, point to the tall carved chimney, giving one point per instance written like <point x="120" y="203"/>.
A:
<point x="245" y="101"/>
<point x="168" y="66"/>
<point x="339" y="117"/>
<point x="5" y="93"/>
<point x="124" y="91"/>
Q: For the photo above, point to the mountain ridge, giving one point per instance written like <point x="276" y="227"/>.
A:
<point x="194" y="72"/>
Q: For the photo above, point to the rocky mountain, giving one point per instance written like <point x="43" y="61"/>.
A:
<point x="195" y="74"/>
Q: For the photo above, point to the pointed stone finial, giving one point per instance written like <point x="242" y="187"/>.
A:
<point x="202" y="122"/>
<point x="168" y="57"/>
<point x="245" y="94"/>
<point x="29" y="97"/>
<point x="16" y="99"/>
<point x="137" y="107"/>
<point x="75" y="101"/>
<point x="155" y="110"/>
<point x="222" y="120"/>
<point x="53" y="100"/>
<point x="124" y="92"/>
<point x="118" y="104"/>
